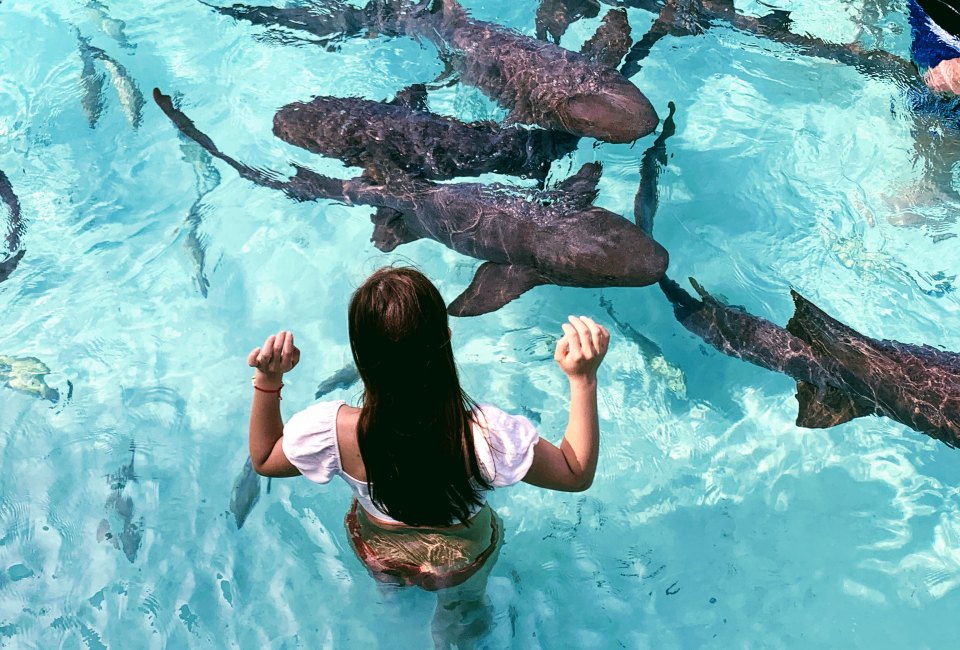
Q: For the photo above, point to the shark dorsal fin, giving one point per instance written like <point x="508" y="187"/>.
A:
<point x="493" y="286"/>
<point x="611" y="41"/>
<point x="582" y="186"/>
<point x="413" y="97"/>
<point x="777" y="21"/>
<point x="821" y="408"/>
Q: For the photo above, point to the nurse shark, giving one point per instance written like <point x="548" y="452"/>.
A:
<point x="538" y="82"/>
<point x="693" y="17"/>
<point x="841" y="374"/>
<point x="403" y="134"/>
<point x="526" y="237"/>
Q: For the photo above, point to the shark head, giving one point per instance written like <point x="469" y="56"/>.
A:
<point x="617" y="113"/>
<point x="617" y="254"/>
<point x="307" y="125"/>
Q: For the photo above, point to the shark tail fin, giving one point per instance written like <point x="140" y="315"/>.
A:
<point x="821" y="408"/>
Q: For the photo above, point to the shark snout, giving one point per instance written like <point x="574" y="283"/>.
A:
<point x="619" y="113"/>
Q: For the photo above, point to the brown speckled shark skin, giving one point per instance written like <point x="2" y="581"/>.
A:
<point x="15" y="228"/>
<point x="841" y="374"/>
<point x="692" y="17"/>
<point x="538" y="82"/>
<point x="527" y="237"/>
<point x="917" y="385"/>
<point x="365" y="133"/>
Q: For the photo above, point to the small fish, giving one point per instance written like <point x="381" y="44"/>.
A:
<point x="652" y="354"/>
<point x="131" y="99"/>
<point x="341" y="379"/>
<point x="91" y="81"/>
<point x="26" y="375"/>
<point x="207" y="180"/>
<point x="121" y="505"/>
<point x="246" y="493"/>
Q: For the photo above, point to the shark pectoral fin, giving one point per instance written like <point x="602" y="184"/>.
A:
<point x="611" y="41"/>
<point x="493" y="286"/>
<point x="827" y="407"/>
<point x="777" y="21"/>
<point x="583" y="185"/>
<point x="389" y="231"/>
<point x="413" y="97"/>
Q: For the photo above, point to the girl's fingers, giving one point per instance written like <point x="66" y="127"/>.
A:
<point x="288" y="348"/>
<point x="295" y="356"/>
<point x="252" y="358"/>
<point x="583" y="334"/>
<point x="573" y="340"/>
<point x="266" y="352"/>
<point x="563" y="347"/>
<point x="594" y="330"/>
<point x="278" y="345"/>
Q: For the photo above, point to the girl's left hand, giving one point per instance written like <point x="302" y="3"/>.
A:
<point x="277" y="356"/>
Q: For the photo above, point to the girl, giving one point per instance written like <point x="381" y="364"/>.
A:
<point x="418" y="453"/>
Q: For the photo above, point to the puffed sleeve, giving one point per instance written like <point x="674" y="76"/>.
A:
<point x="504" y="445"/>
<point x="310" y="441"/>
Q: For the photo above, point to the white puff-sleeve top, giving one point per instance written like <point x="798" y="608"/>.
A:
<point x="504" y="445"/>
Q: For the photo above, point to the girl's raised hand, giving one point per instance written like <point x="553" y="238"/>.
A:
<point x="582" y="348"/>
<point x="277" y="356"/>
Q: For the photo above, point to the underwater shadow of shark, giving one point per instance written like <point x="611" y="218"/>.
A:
<point x="527" y="238"/>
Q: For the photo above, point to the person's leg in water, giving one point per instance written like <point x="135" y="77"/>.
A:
<point x="464" y="614"/>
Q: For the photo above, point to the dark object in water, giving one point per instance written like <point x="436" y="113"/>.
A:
<point x="538" y="82"/>
<point x="15" y="228"/>
<point x="654" y="159"/>
<point x="245" y="494"/>
<point x="692" y="17"/>
<point x="841" y="374"/>
<point x="128" y="93"/>
<point x="527" y="237"/>
<point x="121" y="505"/>
<point x="402" y="134"/>
<point x="340" y="380"/>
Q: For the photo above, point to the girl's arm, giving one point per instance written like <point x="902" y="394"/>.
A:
<point x="572" y="466"/>
<point x="277" y="356"/>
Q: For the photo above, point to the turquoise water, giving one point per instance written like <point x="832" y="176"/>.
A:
<point x="714" y="521"/>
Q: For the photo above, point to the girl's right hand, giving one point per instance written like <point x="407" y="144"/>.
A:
<point x="277" y="356"/>
<point x="582" y="348"/>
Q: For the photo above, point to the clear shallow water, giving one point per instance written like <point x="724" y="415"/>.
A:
<point x="713" y="522"/>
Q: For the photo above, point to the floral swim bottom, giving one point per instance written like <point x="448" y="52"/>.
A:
<point x="430" y="558"/>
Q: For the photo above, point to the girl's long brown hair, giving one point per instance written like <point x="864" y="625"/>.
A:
<point x="414" y="430"/>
